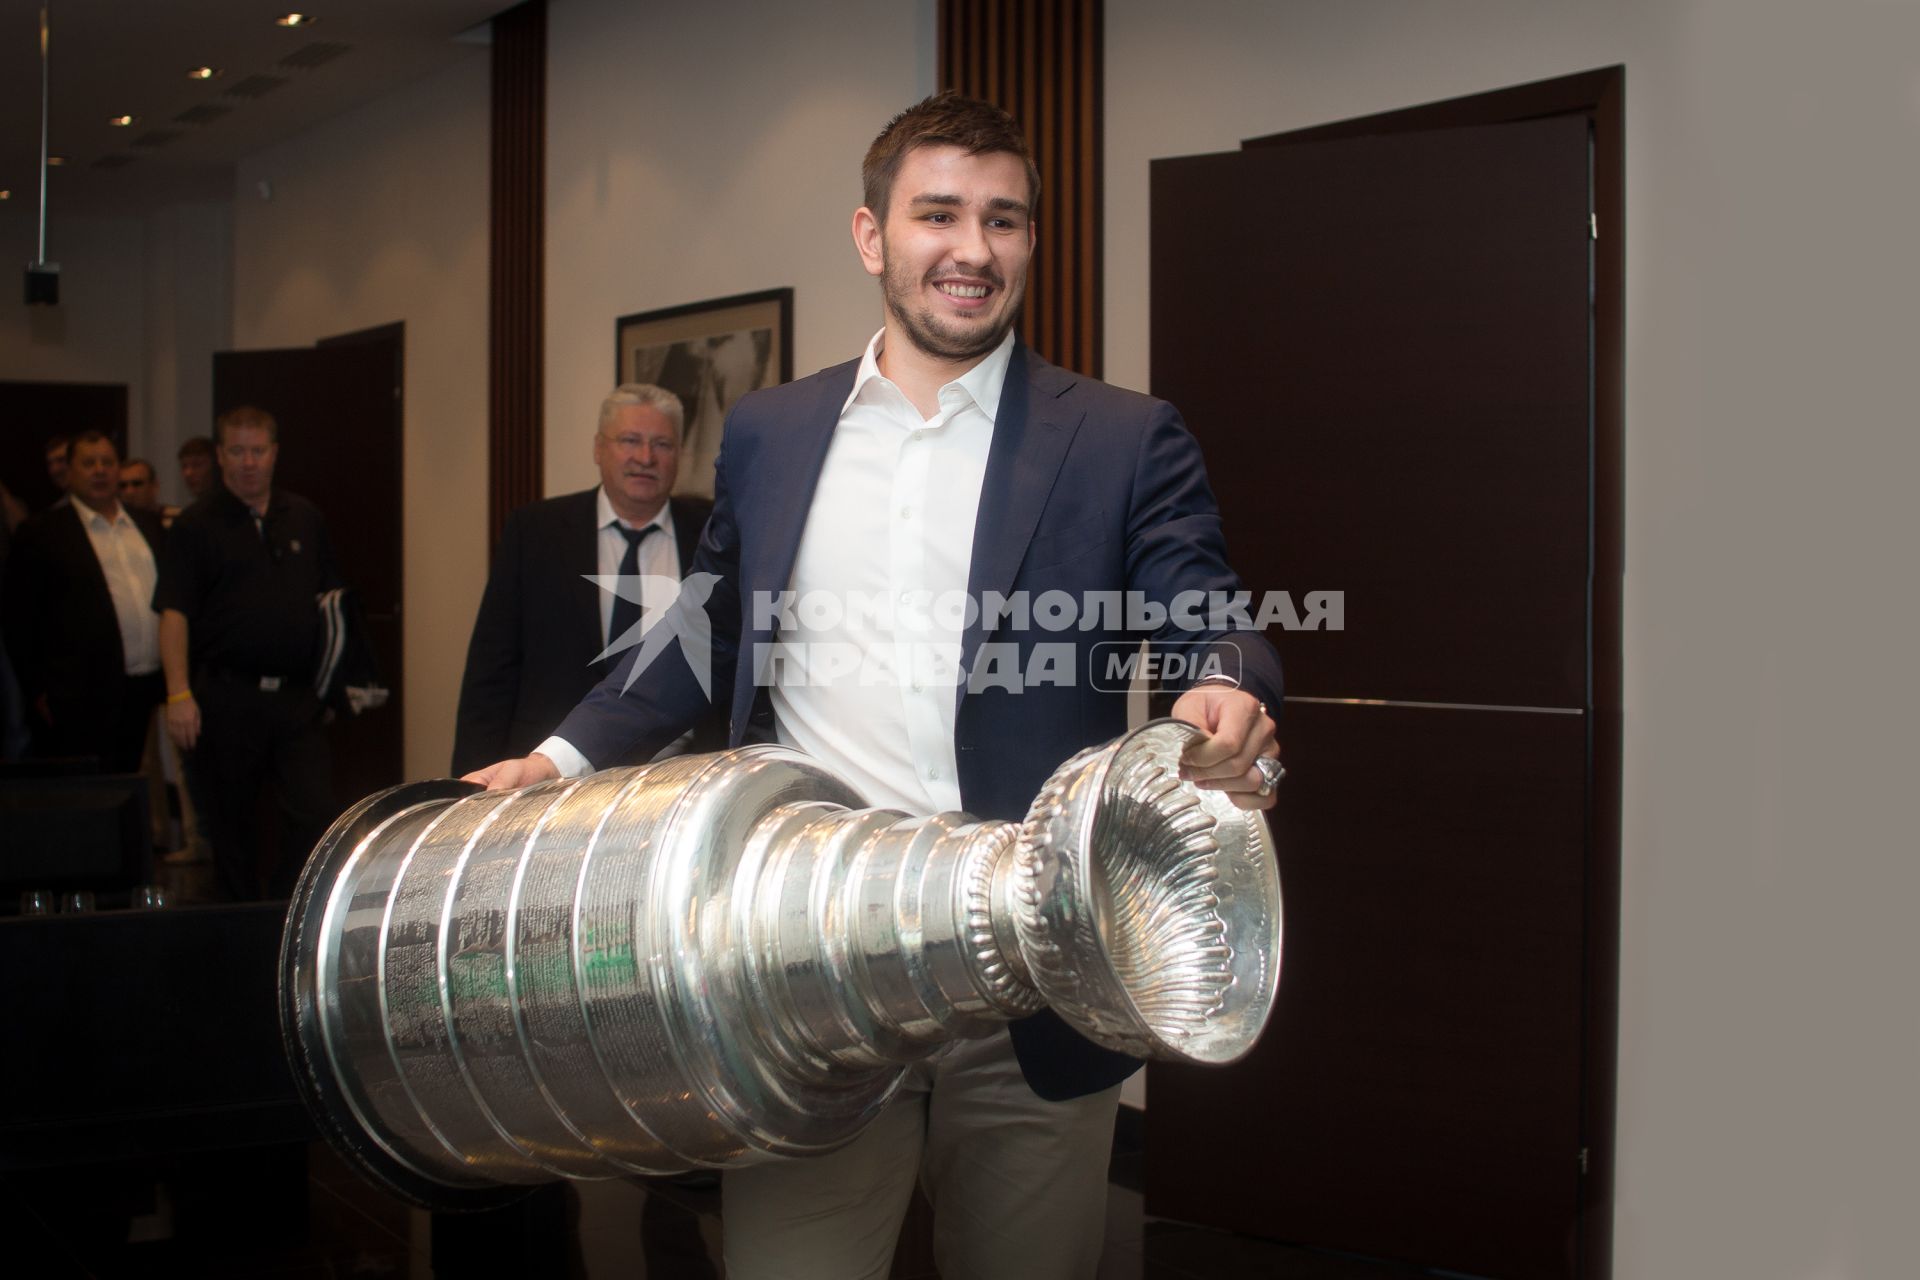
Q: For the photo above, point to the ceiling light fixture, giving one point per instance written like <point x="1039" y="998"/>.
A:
<point x="203" y="73"/>
<point x="56" y="161"/>
<point x="6" y="195"/>
<point x="119" y="122"/>
<point x="296" y="20"/>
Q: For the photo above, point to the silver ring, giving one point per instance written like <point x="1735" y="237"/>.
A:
<point x="1271" y="771"/>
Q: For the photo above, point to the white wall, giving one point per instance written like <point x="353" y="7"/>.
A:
<point x="1769" y="1044"/>
<point x="188" y="317"/>
<point x="95" y="334"/>
<point x="699" y="152"/>
<point x="375" y="217"/>
<point x="143" y="301"/>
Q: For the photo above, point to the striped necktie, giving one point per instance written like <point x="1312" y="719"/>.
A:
<point x="627" y="612"/>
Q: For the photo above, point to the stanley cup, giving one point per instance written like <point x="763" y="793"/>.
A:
<point x="724" y="959"/>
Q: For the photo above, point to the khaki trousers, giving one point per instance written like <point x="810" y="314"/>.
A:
<point x="1018" y="1184"/>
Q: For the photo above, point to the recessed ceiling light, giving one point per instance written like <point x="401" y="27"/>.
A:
<point x="203" y="73"/>
<point x="296" y="20"/>
<point x="56" y="160"/>
<point x="6" y="195"/>
<point x="119" y="122"/>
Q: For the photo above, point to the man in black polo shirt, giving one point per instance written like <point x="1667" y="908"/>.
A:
<point x="240" y="633"/>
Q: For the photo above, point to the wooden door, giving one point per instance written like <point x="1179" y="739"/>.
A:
<point x="1383" y="344"/>
<point x="339" y="413"/>
<point x="32" y="411"/>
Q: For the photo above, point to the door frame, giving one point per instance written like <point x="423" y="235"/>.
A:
<point x="391" y="336"/>
<point x="35" y="409"/>
<point x="394" y="334"/>
<point x="1598" y="94"/>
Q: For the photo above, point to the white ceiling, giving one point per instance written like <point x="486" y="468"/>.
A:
<point x="115" y="57"/>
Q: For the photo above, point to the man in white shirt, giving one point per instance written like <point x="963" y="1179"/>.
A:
<point x="80" y="625"/>
<point x="858" y="514"/>
<point x="543" y="622"/>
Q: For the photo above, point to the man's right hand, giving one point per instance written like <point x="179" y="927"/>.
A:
<point x="183" y="723"/>
<point x="509" y="774"/>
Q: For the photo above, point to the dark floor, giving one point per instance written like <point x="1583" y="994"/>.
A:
<point x="293" y="1212"/>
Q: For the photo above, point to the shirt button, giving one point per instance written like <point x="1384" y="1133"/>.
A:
<point x="933" y="775"/>
<point x="906" y="513"/>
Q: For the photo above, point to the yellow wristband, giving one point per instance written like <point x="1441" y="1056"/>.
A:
<point x="185" y="695"/>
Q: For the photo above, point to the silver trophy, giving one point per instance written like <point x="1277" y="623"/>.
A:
<point x="724" y="959"/>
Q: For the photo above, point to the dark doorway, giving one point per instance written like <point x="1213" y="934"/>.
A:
<point x="32" y="411"/>
<point x="1403" y="366"/>
<point x="338" y="406"/>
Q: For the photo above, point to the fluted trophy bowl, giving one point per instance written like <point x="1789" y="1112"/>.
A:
<point x="718" y="960"/>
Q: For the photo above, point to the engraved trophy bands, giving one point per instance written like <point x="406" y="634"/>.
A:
<point x="723" y="959"/>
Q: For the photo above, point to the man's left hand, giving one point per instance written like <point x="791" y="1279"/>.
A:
<point x="1239" y="731"/>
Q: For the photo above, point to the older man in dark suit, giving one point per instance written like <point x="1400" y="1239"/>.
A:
<point x="80" y="624"/>
<point x="544" y="625"/>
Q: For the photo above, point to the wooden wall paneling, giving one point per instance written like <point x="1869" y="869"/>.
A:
<point x="1044" y="63"/>
<point x="516" y="290"/>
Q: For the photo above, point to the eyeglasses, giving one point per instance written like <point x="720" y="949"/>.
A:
<point x="632" y="444"/>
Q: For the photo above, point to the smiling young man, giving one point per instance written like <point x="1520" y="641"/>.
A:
<point x="948" y="462"/>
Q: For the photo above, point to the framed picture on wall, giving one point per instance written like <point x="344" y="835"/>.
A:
<point x="709" y="354"/>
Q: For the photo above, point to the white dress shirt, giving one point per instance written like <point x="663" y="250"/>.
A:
<point x="127" y="563"/>
<point x="889" y="537"/>
<point x="659" y="558"/>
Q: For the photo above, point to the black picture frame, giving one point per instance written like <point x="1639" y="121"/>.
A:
<point x="709" y="354"/>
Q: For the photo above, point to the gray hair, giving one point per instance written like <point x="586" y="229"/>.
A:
<point x="645" y="393"/>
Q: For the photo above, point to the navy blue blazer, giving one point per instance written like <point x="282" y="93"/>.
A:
<point x="1088" y="489"/>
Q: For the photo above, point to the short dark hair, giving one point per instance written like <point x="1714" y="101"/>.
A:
<point x="58" y="440"/>
<point x="246" y="415"/>
<point x="944" y="120"/>
<point x="127" y="463"/>
<point x="195" y="447"/>
<point x="92" y="437"/>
